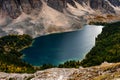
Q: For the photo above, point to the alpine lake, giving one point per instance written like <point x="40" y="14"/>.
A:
<point x="60" y="47"/>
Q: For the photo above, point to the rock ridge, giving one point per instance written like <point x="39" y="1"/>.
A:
<point x="105" y="71"/>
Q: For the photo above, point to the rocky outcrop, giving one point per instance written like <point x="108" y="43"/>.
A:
<point x="106" y="71"/>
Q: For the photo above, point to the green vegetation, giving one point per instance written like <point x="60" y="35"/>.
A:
<point x="70" y="64"/>
<point x="46" y="66"/>
<point x="10" y="55"/>
<point x="107" y="46"/>
<point x="98" y="23"/>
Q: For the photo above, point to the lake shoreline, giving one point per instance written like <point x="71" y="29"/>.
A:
<point x="53" y="42"/>
<point x="66" y="31"/>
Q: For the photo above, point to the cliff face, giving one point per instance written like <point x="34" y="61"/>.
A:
<point x="39" y="17"/>
<point x="102" y="5"/>
<point x="115" y="2"/>
<point x="14" y="8"/>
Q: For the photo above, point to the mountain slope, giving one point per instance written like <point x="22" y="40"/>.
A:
<point x="40" y="17"/>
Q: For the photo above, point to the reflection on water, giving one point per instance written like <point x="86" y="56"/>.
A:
<point x="58" y="48"/>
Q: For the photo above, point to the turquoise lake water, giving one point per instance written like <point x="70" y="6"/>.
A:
<point x="60" y="47"/>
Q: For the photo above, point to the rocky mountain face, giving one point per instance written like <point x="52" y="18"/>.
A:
<point x="14" y="8"/>
<point x="106" y="71"/>
<point x="115" y="2"/>
<point x="40" y="17"/>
